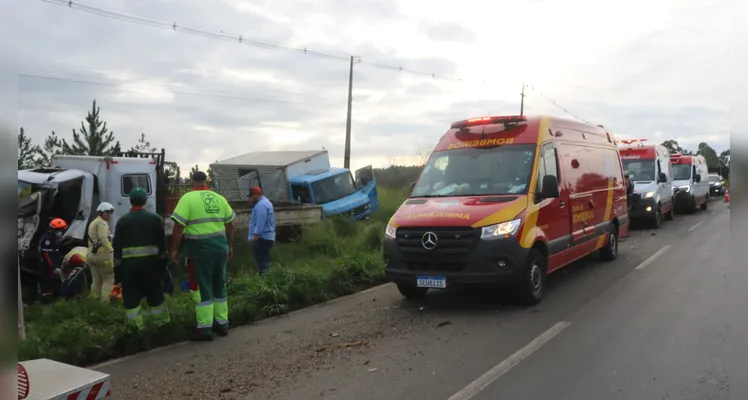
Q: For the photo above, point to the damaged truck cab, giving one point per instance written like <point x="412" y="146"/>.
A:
<point x="72" y="188"/>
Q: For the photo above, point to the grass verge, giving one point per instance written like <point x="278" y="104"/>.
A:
<point x="329" y="260"/>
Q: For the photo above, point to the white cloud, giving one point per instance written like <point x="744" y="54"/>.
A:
<point x="655" y="70"/>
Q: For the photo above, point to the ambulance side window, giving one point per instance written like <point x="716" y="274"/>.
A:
<point x="548" y="164"/>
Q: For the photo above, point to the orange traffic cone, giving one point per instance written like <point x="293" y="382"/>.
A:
<point x="727" y="195"/>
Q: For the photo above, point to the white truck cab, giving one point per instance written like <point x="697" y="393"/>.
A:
<point x="649" y="169"/>
<point x="72" y="189"/>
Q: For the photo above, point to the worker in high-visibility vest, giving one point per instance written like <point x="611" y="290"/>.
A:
<point x="205" y="220"/>
<point x="99" y="256"/>
<point x="140" y="254"/>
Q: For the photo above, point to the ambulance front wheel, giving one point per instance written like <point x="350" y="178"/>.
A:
<point x="534" y="277"/>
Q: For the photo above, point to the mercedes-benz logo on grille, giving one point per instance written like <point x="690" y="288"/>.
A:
<point x="429" y="240"/>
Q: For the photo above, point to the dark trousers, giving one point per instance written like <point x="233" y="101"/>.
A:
<point x="261" y="250"/>
<point x="142" y="281"/>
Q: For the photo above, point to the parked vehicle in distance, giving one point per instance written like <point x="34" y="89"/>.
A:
<point x="690" y="183"/>
<point x="506" y="201"/>
<point x="716" y="185"/>
<point x="300" y="177"/>
<point x="649" y="169"/>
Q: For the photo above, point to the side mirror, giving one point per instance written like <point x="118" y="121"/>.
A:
<point x="662" y="178"/>
<point x="550" y="187"/>
<point x="697" y="178"/>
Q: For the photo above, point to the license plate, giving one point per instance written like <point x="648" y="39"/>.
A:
<point x="434" y="282"/>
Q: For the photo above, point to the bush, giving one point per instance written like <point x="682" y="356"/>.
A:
<point x="330" y="259"/>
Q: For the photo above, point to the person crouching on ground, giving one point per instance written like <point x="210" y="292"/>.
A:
<point x="261" y="229"/>
<point x="75" y="277"/>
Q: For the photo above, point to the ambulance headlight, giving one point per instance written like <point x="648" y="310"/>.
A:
<point x="390" y="232"/>
<point x="648" y="195"/>
<point x="503" y="229"/>
<point x="685" y="188"/>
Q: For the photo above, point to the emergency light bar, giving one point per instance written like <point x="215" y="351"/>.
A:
<point x="511" y="119"/>
<point x="629" y="141"/>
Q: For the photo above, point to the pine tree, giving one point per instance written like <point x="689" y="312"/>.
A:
<point x="143" y="146"/>
<point x="52" y="146"/>
<point x="94" y="140"/>
<point x="29" y="155"/>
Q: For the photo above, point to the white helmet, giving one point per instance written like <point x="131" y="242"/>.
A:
<point x="105" y="207"/>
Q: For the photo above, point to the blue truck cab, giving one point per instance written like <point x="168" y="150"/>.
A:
<point x="337" y="192"/>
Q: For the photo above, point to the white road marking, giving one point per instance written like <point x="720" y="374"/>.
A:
<point x="691" y="229"/>
<point x="653" y="257"/>
<point x="475" y="387"/>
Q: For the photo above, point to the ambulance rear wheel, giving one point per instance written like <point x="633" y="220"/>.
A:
<point x="411" y="291"/>
<point x="534" y="276"/>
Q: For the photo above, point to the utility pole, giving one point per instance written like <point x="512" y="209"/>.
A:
<point x="522" y="100"/>
<point x="347" y="156"/>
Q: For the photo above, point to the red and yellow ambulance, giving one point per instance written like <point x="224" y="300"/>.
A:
<point x="508" y="200"/>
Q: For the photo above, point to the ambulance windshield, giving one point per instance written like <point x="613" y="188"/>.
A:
<point x="640" y="170"/>
<point x="477" y="171"/>
<point x="681" y="172"/>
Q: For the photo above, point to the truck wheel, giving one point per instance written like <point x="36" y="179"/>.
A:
<point x="610" y="252"/>
<point x="534" y="276"/>
<point x="706" y="203"/>
<point x="657" y="218"/>
<point x="411" y="291"/>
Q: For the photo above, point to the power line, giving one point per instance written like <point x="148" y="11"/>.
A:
<point x="232" y="38"/>
<point x="233" y="97"/>
<point x="46" y="67"/>
<point x="556" y="104"/>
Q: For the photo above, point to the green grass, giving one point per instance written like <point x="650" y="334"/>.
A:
<point x="329" y="260"/>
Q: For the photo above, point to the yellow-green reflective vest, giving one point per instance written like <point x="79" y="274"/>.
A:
<point x="204" y="214"/>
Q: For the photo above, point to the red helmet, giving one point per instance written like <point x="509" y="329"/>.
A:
<point x="76" y="259"/>
<point x="58" y="223"/>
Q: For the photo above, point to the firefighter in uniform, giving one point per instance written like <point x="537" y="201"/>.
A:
<point x="205" y="220"/>
<point x="100" y="253"/>
<point x="140" y="254"/>
<point x="51" y="259"/>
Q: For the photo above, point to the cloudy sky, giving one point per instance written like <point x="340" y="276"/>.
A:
<point x="644" y="69"/>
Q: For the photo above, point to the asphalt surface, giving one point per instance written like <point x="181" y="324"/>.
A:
<point x="667" y="320"/>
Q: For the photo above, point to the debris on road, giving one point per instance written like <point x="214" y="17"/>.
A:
<point x="343" y="345"/>
<point x="443" y="323"/>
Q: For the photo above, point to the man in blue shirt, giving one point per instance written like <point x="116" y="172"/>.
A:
<point x="261" y="229"/>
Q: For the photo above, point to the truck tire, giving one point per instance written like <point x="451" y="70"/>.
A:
<point x="411" y="291"/>
<point x="705" y="205"/>
<point x="534" y="277"/>
<point x="610" y="251"/>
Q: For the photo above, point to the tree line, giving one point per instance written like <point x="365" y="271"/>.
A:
<point x="713" y="160"/>
<point x="93" y="138"/>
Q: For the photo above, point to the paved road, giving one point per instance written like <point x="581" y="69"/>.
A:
<point x="667" y="320"/>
